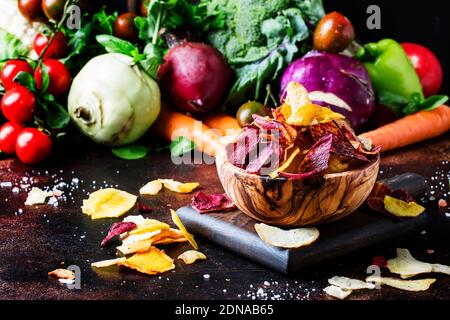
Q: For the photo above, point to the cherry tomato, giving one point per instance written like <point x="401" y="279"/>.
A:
<point x="57" y="48"/>
<point x="33" y="146"/>
<point x="31" y="9"/>
<point x="53" y="9"/>
<point x="125" y="28"/>
<point x="333" y="33"/>
<point x="59" y="77"/>
<point x="427" y="67"/>
<point x="144" y="5"/>
<point x="18" y="105"/>
<point x="247" y="110"/>
<point x="10" y="71"/>
<point x="8" y="136"/>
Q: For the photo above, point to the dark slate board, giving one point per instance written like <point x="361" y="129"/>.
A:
<point x="361" y="230"/>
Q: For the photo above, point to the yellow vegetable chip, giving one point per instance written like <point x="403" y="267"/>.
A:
<point x="400" y="208"/>
<point x="190" y="256"/>
<point x="296" y="95"/>
<point x="169" y="236"/>
<point x="298" y="109"/>
<point x="286" y="164"/>
<point x="107" y="263"/>
<point x="149" y="225"/>
<point x="108" y="203"/>
<point x="152" y="188"/>
<point x="179" y="224"/>
<point x="407" y="266"/>
<point x="152" y="262"/>
<point x="179" y="187"/>
<point x="408" y="285"/>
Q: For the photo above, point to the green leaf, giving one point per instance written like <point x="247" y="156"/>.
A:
<point x="393" y="101"/>
<point x="115" y="45"/>
<point x="153" y="58"/>
<point x="312" y="9"/>
<point x="417" y="103"/>
<point x="45" y="78"/>
<point x="55" y="115"/>
<point x="180" y="146"/>
<point x="131" y="152"/>
<point x="10" y="46"/>
<point x="27" y="80"/>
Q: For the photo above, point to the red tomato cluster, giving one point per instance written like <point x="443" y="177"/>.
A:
<point x="18" y="104"/>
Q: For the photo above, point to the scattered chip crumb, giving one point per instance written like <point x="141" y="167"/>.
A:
<point x="337" y="292"/>
<point x="63" y="274"/>
<point x="408" y="285"/>
<point x="108" y="263"/>
<point x="350" y="284"/>
<point x="37" y="196"/>
<point x="152" y="188"/>
<point x="191" y="256"/>
<point x="442" y="203"/>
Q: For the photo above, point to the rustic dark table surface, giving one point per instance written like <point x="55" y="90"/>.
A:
<point x="35" y="240"/>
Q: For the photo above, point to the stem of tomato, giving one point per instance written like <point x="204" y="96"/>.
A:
<point x="58" y="27"/>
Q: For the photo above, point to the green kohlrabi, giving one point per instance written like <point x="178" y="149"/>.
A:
<point x="113" y="101"/>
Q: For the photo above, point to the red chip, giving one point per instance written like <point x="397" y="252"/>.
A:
<point x="379" y="261"/>
<point x="143" y="208"/>
<point x="375" y="201"/>
<point x="118" y="228"/>
<point x="341" y="145"/>
<point x="204" y="203"/>
<point x="315" y="160"/>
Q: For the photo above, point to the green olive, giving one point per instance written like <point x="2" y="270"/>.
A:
<point x="247" y="110"/>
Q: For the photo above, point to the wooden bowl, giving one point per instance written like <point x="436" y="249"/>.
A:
<point x="286" y="202"/>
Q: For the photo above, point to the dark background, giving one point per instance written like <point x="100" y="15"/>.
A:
<point x="423" y="22"/>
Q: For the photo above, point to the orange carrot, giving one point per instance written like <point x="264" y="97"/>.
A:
<point x="225" y="123"/>
<point x="411" y="129"/>
<point x="172" y="124"/>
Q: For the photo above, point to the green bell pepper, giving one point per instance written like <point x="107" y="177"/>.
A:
<point x="390" y="69"/>
<point x="394" y="78"/>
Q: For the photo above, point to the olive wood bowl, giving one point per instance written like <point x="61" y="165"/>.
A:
<point x="287" y="202"/>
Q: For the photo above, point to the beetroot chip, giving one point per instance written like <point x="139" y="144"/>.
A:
<point x="375" y="201"/>
<point x="268" y="153"/>
<point x="315" y="160"/>
<point x="285" y="132"/>
<point x="118" y="228"/>
<point x="379" y="261"/>
<point x="238" y="152"/>
<point x="142" y="208"/>
<point x="341" y="146"/>
<point x="204" y="203"/>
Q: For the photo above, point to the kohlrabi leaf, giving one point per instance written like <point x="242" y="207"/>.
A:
<point x="116" y="45"/>
<point x="130" y="152"/>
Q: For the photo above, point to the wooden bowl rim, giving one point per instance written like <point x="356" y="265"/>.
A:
<point x="242" y="172"/>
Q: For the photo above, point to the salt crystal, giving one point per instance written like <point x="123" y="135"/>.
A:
<point x="15" y="190"/>
<point x="447" y="214"/>
<point x="224" y="290"/>
<point x="206" y="276"/>
<point x="266" y="283"/>
<point x="424" y="232"/>
<point x="6" y="184"/>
